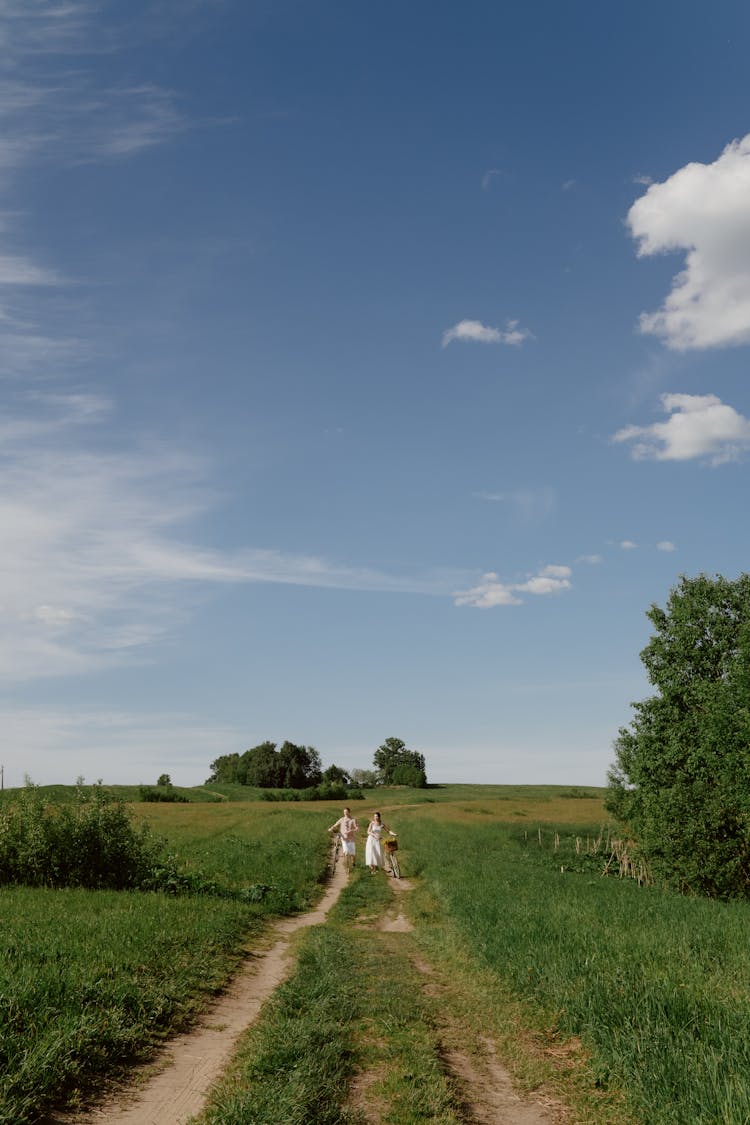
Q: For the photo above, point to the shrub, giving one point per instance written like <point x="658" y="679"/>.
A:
<point x="322" y="792"/>
<point x="409" y="775"/>
<point x="166" y="793"/>
<point x="91" y="843"/>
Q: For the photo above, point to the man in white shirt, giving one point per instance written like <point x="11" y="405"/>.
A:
<point x="347" y="827"/>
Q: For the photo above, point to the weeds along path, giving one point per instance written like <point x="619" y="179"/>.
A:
<point x="174" y="1087"/>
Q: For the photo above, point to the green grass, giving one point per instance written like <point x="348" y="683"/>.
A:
<point x="294" y="1064"/>
<point x="280" y="847"/>
<point x="64" y="794"/>
<point x="351" y="1008"/>
<point x="90" y="980"/>
<point x="657" y="986"/>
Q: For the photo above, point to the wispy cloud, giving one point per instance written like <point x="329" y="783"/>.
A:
<point x="490" y="176"/>
<point x="665" y="545"/>
<point x="699" y="427"/>
<point x="703" y="210"/>
<point x="31" y="28"/>
<point x="53" y="111"/>
<point x="57" y="112"/>
<point x="57" y="746"/>
<point x="476" y="332"/>
<point x="530" y="504"/>
<point x="491" y="591"/>
<point x="20" y="271"/>
<point x="93" y="568"/>
<point x="77" y="123"/>
<point x="590" y="560"/>
<point x="99" y="563"/>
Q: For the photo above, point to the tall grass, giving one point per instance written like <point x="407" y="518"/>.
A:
<point x="351" y="1009"/>
<point x="92" y="979"/>
<point x="279" y="850"/>
<point x="656" y="985"/>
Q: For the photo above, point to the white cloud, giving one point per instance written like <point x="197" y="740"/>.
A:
<point x="590" y="560"/>
<point x="529" y="503"/>
<point x="491" y="592"/>
<point x="77" y="118"/>
<point x="98" y="563"/>
<point x="704" y="210"/>
<point x="569" y="185"/>
<point x="699" y="426"/>
<point x="665" y="545"/>
<point x="489" y="176"/>
<point x="627" y="545"/>
<point x="16" y="270"/>
<point x="474" y="330"/>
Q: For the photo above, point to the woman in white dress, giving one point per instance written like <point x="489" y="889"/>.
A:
<point x="373" y="847"/>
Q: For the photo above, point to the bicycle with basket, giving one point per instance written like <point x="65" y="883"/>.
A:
<point x="390" y="847"/>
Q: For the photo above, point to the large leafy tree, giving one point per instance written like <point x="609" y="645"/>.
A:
<point x="224" y="769"/>
<point x="260" y="766"/>
<point x="263" y="766"/>
<point x="682" y="775"/>
<point x="396" y="765"/>
<point x="300" y="766"/>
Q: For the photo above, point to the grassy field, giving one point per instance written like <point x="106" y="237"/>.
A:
<point x="90" y="980"/>
<point x="655" y="986"/>
<point x="352" y="1009"/>
<point x="629" y="1003"/>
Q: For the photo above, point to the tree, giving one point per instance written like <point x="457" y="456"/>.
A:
<point x="224" y="769"/>
<point x="681" y="780"/>
<point x="261" y="767"/>
<point x="334" y="775"/>
<point x="365" y="779"/>
<point x="164" y="779"/>
<point x="299" y="766"/>
<point x="392" y="759"/>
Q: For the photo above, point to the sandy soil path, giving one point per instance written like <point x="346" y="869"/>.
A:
<point x="191" y="1063"/>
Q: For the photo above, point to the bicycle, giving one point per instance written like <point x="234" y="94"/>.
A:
<point x="336" y="852"/>
<point x="391" y="847"/>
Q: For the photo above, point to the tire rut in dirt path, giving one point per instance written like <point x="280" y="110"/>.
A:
<point x="191" y="1063"/>
<point x="484" y="1087"/>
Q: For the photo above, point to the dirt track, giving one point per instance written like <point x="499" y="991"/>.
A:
<point x="182" y="1075"/>
<point x="174" y="1088"/>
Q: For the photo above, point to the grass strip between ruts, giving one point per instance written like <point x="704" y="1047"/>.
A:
<point x="351" y="1018"/>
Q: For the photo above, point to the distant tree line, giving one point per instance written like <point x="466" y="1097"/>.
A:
<point x="299" y="767"/>
<point x="265" y="767"/>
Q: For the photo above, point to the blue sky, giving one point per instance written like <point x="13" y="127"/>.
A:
<point x="367" y="371"/>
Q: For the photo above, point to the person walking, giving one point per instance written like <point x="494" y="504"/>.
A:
<point x="347" y="828"/>
<point x="374" y="847"/>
